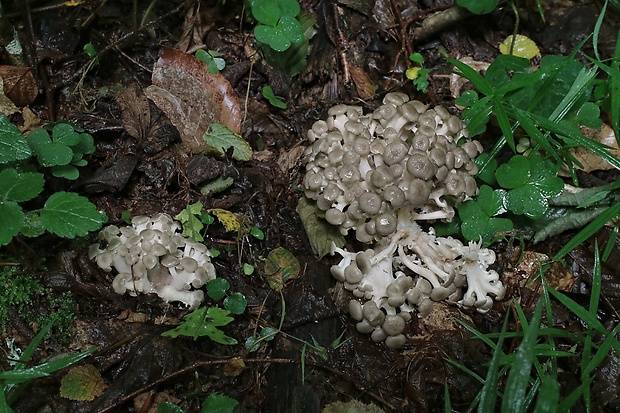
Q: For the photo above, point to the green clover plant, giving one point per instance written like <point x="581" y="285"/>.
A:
<point x="278" y="25"/>
<point x="65" y="214"/>
<point x="213" y="60"/>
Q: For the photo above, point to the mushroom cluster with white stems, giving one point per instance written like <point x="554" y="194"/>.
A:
<point x="151" y="256"/>
<point x="377" y="174"/>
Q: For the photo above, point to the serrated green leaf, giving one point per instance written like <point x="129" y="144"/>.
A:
<point x="20" y="187"/>
<point x="82" y="383"/>
<point x="168" y="407"/>
<point x="217" y="288"/>
<point x="235" y="303"/>
<point x="320" y="233"/>
<point x="218" y="403"/>
<point x="221" y="138"/>
<point x="11" y="221"/>
<point x="68" y="214"/>
<point x="204" y="322"/>
<point x="13" y="146"/>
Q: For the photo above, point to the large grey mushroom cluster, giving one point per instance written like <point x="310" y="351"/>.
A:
<point x="151" y="256"/>
<point x="377" y="174"/>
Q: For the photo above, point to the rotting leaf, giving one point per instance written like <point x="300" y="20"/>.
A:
<point x="364" y="86"/>
<point x="193" y="98"/>
<point x="280" y="266"/>
<point x="234" y="367"/>
<point x="19" y="84"/>
<point x="82" y="383"/>
<point x="320" y="233"/>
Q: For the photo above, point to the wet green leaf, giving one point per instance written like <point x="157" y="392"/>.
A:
<point x="235" y="303"/>
<point x="68" y="214"/>
<point x="204" y="322"/>
<point x="218" y="288"/>
<point x="220" y="139"/>
<point x="218" y="403"/>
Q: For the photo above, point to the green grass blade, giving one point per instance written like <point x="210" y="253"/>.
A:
<point x="488" y="394"/>
<point x="504" y="123"/>
<point x="518" y="378"/>
<point x="473" y="76"/>
<point x="603" y="350"/>
<point x="446" y="397"/>
<point x="588" y="231"/>
<point x="578" y="88"/>
<point x="578" y="310"/>
<point x="548" y="396"/>
<point x="597" y="29"/>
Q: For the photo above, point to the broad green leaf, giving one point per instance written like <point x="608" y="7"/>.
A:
<point x="20" y="187"/>
<point x="13" y="146"/>
<point x="48" y="153"/>
<point x="65" y="134"/>
<point x="218" y="403"/>
<point x="235" y="303"/>
<point x="66" y="171"/>
<point x="266" y="12"/>
<point x="11" y="221"/>
<point x="515" y="173"/>
<point x="273" y="37"/>
<point x="478" y="6"/>
<point x="217" y="288"/>
<point x="68" y="214"/>
<point x="221" y="138"/>
<point x="291" y="28"/>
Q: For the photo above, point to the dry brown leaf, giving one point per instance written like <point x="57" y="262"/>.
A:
<point x="19" y="84"/>
<point x="590" y="161"/>
<point x="234" y="367"/>
<point x="193" y="98"/>
<point x="7" y="107"/>
<point x="364" y="86"/>
<point x="135" y="111"/>
<point x="192" y="31"/>
<point x="31" y="121"/>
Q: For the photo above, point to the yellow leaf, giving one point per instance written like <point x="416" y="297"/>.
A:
<point x="73" y="3"/>
<point x="82" y="383"/>
<point x="523" y="47"/>
<point x="413" y="73"/>
<point x="227" y="218"/>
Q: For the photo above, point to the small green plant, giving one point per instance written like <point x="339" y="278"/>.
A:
<point x="16" y="380"/>
<point x="25" y="295"/>
<point x="195" y="221"/>
<point x="272" y="98"/>
<point x="213" y="403"/>
<point x="65" y="214"/>
<point x="213" y="60"/>
<point x="418" y="74"/>
<point x="206" y="321"/>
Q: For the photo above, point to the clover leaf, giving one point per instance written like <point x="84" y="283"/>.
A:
<point x="477" y="215"/>
<point x="531" y="182"/>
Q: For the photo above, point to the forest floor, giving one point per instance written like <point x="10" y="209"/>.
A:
<point x="142" y="166"/>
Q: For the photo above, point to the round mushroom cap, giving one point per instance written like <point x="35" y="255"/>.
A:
<point x="119" y="284"/>
<point x="352" y="274"/>
<point x="334" y="216"/>
<point x="393" y="325"/>
<point x="395" y="342"/>
<point x="418" y="192"/>
<point x="355" y="309"/>
<point x="385" y="224"/>
<point x="372" y="313"/>
<point x="421" y="166"/>
<point x="394" y="195"/>
<point x="370" y="203"/>
<point x="378" y="335"/>
<point x="394" y="153"/>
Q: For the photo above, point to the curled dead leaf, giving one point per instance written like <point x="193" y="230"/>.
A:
<point x="193" y="98"/>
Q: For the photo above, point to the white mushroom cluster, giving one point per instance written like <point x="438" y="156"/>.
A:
<point x="151" y="256"/>
<point x="377" y="174"/>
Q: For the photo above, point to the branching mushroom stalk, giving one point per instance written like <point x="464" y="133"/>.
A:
<point x="378" y="175"/>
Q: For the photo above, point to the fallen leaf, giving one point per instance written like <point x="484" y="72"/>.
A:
<point x="228" y="219"/>
<point x="82" y="383"/>
<point x="234" y="367"/>
<point x="7" y="107"/>
<point x="193" y="98"/>
<point x="523" y="47"/>
<point x="364" y="86"/>
<point x="590" y="161"/>
<point x="19" y="84"/>
<point x="281" y="266"/>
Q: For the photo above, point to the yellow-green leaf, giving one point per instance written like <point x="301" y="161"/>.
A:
<point x="82" y="383"/>
<point x="523" y="47"/>
<point x="228" y="219"/>
<point x="280" y="266"/>
<point x="220" y="138"/>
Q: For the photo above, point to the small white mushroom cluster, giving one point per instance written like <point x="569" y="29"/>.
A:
<point x="377" y="174"/>
<point x="151" y="256"/>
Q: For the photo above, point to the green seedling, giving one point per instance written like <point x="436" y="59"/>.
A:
<point x="418" y="74"/>
<point x="218" y="289"/>
<point x="478" y="6"/>
<point x="191" y="221"/>
<point x="272" y="98"/>
<point x="213" y="60"/>
<point x="204" y="321"/>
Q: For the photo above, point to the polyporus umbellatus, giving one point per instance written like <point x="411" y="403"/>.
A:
<point x="377" y="174"/>
<point x="151" y="256"/>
